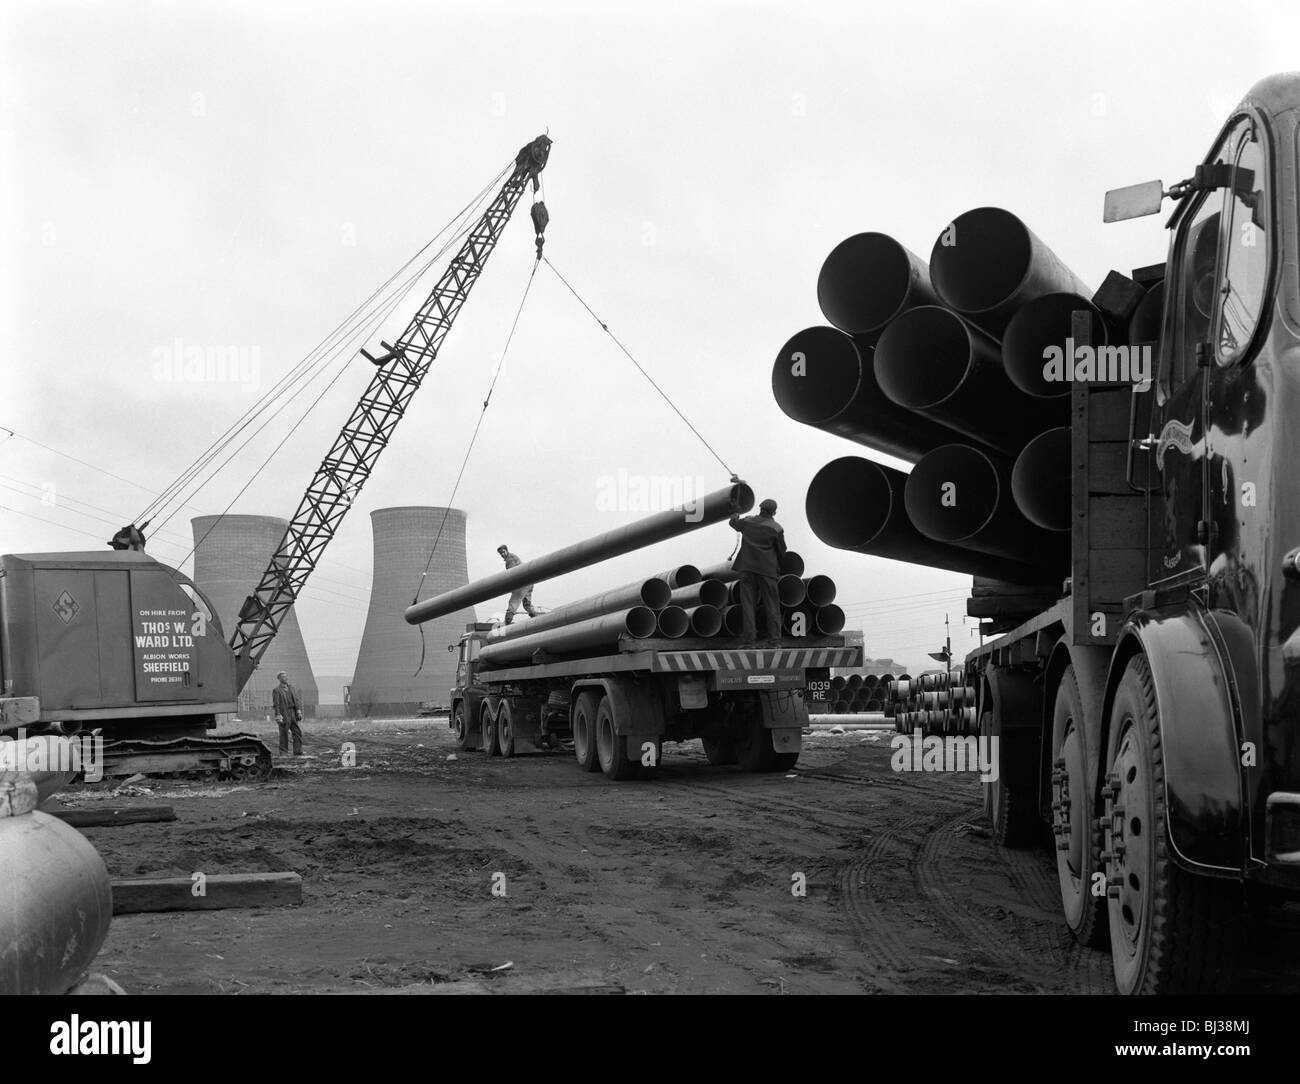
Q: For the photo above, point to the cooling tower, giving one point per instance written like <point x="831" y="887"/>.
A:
<point x="385" y="681"/>
<point x="230" y="555"/>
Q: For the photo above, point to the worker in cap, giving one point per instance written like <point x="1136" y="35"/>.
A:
<point x="524" y="595"/>
<point x="287" y="702"/>
<point x="762" y="549"/>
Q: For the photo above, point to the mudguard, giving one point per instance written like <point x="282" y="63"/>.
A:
<point x="1015" y="700"/>
<point x="1200" y="736"/>
<point x="1091" y="667"/>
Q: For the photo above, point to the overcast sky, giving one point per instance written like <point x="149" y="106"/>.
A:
<point x="245" y="174"/>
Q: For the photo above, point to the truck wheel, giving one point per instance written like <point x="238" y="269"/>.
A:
<point x="610" y="747"/>
<point x="584" y="731"/>
<point x="1074" y="823"/>
<point x="505" y="730"/>
<point x="719" y="750"/>
<point x="783" y="762"/>
<point x="753" y="745"/>
<point x="1012" y="809"/>
<point x="459" y="727"/>
<point x="489" y="731"/>
<point x="1170" y="931"/>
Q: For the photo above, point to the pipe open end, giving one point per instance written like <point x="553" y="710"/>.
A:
<point x="980" y="259"/>
<point x="830" y="620"/>
<point x="952" y="493"/>
<point x="705" y="620"/>
<point x="640" y="622"/>
<point x="865" y="282"/>
<point x="1040" y="480"/>
<point x="713" y="593"/>
<point x="792" y="563"/>
<point x="790" y="590"/>
<point x="923" y="356"/>
<point x="733" y="621"/>
<point x="816" y="374"/>
<point x="1042" y="324"/>
<point x="849" y="501"/>
<point x="819" y="590"/>
<point x="655" y="594"/>
<point x="673" y="622"/>
<point x="742" y="500"/>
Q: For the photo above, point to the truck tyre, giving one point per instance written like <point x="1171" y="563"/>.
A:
<point x="584" y="730"/>
<point x="505" y="730"/>
<point x="1170" y="931"/>
<point x="459" y="727"/>
<point x="753" y="745"/>
<point x="719" y="750"/>
<point x="488" y="730"/>
<point x="783" y="762"/>
<point x="611" y="747"/>
<point x="1012" y="808"/>
<point x="1076" y="831"/>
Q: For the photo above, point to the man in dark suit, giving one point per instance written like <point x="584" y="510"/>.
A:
<point x="762" y="547"/>
<point x="288" y="713"/>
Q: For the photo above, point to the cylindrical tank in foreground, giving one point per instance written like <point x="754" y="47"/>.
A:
<point x="707" y="510"/>
<point x="385" y="681"/>
<point x="56" y="902"/>
<point x="230" y="554"/>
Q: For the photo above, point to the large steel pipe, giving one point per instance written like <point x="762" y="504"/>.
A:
<point x="819" y="590"/>
<point x="790" y="590"/>
<point x="733" y="621"/>
<point x="654" y="594"/>
<point x="1041" y="333"/>
<point x="938" y="365"/>
<point x="705" y="620"/>
<point x="855" y="504"/>
<point x="987" y="263"/>
<point x="867" y="280"/>
<point x="604" y="631"/>
<point x="1144" y="327"/>
<point x="707" y="510"/>
<point x="829" y="619"/>
<point x="820" y="378"/>
<point x="706" y="593"/>
<point x="791" y="565"/>
<point x="1040" y="480"/>
<point x="672" y="622"/>
<point x="962" y="496"/>
<point x="681" y="576"/>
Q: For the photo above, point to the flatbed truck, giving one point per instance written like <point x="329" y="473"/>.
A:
<point x="748" y="705"/>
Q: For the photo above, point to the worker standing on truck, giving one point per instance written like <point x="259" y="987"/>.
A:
<point x="524" y="595"/>
<point x="288" y="713"/>
<point x="762" y="549"/>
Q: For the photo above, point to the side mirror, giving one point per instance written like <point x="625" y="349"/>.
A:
<point x="1135" y="201"/>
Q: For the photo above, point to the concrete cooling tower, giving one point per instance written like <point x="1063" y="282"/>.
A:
<point x="385" y="681"/>
<point x="229" y="559"/>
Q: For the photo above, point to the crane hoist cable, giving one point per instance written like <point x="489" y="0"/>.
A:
<point x="628" y="353"/>
<point x="487" y="401"/>
<point x="323" y="352"/>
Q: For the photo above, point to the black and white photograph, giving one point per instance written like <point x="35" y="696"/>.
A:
<point x="694" y="500"/>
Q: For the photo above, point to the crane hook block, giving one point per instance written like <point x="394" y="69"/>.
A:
<point x="540" y="218"/>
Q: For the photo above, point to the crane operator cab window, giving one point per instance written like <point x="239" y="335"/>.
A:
<point x="1245" y="250"/>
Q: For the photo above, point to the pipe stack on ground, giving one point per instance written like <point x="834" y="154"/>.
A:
<point x="946" y="366"/>
<point x="860" y="694"/>
<point x="936" y="703"/>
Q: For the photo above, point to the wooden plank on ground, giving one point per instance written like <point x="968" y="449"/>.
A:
<point x="109" y="817"/>
<point x="219" y="890"/>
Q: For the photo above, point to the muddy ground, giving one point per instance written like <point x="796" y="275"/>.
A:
<point x="677" y="884"/>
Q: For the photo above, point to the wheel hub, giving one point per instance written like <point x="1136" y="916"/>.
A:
<point x="1127" y="851"/>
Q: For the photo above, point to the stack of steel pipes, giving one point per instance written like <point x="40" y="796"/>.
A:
<point x="935" y="703"/>
<point x="682" y="603"/>
<point x="861" y="693"/>
<point x="944" y="365"/>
